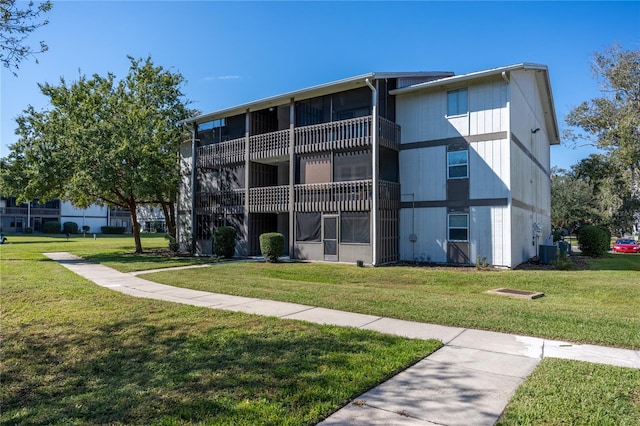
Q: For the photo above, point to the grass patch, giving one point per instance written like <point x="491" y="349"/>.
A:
<point x="76" y="353"/>
<point x="589" y="306"/>
<point x="576" y="393"/>
<point x="116" y="251"/>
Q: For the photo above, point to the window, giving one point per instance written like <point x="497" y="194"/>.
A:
<point x="308" y="227"/>
<point x="458" y="164"/>
<point x="459" y="227"/>
<point x="354" y="228"/>
<point x="457" y="102"/>
<point x="355" y="165"/>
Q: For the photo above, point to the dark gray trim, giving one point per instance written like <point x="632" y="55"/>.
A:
<point x="525" y="206"/>
<point x="456" y="140"/>
<point x="480" y="202"/>
<point x="528" y="153"/>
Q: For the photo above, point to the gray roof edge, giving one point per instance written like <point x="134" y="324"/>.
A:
<point x="463" y="77"/>
<point x="319" y="87"/>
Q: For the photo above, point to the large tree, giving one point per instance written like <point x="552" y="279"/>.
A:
<point x="103" y="141"/>
<point x="16" y="24"/>
<point x="572" y="202"/>
<point x="612" y="121"/>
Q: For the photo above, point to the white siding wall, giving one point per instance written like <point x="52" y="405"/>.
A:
<point x="422" y="117"/>
<point x="489" y="235"/>
<point x="423" y="172"/>
<point x="529" y="183"/>
<point x="488" y="111"/>
<point x="526" y="115"/>
<point x="430" y="226"/>
<point x="94" y="216"/>
<point x="489" y="171"/>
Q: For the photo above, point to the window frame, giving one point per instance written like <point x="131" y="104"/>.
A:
<point x="450" y="228"/>
<point x="466" y="164"/>
<point x="457" y="93"/>
<point x="354" y="217"/>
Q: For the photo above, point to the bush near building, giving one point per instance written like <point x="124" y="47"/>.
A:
<point x="224" y="241"/>
<point x="272" y="246"/>
<point x="70" y="228"/>
<point x="112" y="229"/>
<point x="51" y="227"/>
<point x="594" y="241"/>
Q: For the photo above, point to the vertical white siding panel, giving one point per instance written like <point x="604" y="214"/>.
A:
<point x="431" y="230"/>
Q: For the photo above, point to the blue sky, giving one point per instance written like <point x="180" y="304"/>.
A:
<point x="235" y="52"/>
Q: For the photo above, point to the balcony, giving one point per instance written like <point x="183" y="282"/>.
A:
<point x="269" y="145"/>
<point x="231" y="201"/>
<point x="337" y="135"/>
<point x="334" y="196"/>
<point x="269" y="199"/>
<point x="35" y="211"/>
<point x="220" y="154"/>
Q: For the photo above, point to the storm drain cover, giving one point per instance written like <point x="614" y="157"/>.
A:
<point x="521" y="294"/>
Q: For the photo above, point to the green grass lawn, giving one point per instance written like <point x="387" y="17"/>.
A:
<point x="598" y="306"/>
<point x="576" y="393"/>
<point x="76" y="353"/>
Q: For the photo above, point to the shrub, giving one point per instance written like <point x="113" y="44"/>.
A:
<point x="272" y="246"/>
<point x="112" y="229"/>
<point x="594" y="241"/>
<point x="28" y="230"/>
<point x="174" y="246"/>
<point x="70" y="228"/>
<point x="51" y="227"/>
<point x="224" y="241"/>
<point x="86" y="228"/>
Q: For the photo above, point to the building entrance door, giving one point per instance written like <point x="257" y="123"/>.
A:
<point x="37" y="224"/>
<point x="330" y="238"/>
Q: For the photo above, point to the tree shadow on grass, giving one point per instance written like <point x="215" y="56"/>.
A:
<point x="134" y="371"/>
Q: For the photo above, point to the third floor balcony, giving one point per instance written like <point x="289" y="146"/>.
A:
<point x="333" y="136"/>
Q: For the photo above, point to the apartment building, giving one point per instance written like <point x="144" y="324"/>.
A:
<point x="380" y="168"/>
<point x="16" y="217"/>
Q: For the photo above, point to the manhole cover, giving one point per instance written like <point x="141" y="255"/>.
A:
<point x="522" y="294"/>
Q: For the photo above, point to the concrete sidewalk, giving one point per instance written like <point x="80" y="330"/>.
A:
<point x="468" y="381"/>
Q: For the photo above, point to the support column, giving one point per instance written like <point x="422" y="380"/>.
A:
<point x="292" y="176"/>
<point x="247" y="164"/>
<point x="375" y="172"/>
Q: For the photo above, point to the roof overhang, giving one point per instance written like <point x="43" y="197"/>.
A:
<point x="309" y="92"/>
<point x="542" y="78"/>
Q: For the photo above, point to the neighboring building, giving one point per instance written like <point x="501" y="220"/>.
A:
<point x="382" y="167"/>
<point x="16" y="217"/>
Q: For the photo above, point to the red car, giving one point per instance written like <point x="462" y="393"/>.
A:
<point x="626" y="245"/>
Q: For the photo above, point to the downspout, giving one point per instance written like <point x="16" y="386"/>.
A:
<point x="374" y="174"/>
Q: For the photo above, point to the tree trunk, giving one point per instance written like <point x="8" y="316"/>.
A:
<point x="135" y="226"/>
<point x="170" y="217"/>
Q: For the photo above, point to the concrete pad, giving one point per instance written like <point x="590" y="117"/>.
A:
<point x="361" y="414"/>
<point x="489" y="362"/>
<point x="333" y="317"/>
<point x="270" y="308"/>
<point x="414" y="330"/>
<point x="445" y="394"/>
<point x="500" y="342"/>
<point x="591" y="353"/>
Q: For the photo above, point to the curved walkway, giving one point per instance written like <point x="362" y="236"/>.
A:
<point x="468" y="381"/>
